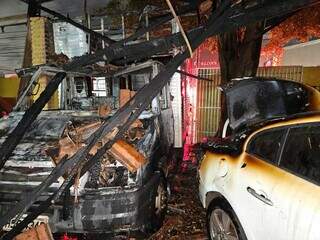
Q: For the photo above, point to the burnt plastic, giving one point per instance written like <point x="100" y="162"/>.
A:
<point x="252" y="101"/>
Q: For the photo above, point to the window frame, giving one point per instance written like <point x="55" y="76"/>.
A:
<point x="299" y="125"/>
<point x="280" y="150"/>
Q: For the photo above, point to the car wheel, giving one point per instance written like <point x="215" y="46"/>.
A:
<point x="222" y="223"/>
<point x="160" y="202"/>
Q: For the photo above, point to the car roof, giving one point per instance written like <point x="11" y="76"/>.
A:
<point x="301" y="118"/>
<point x="306" y="117"/>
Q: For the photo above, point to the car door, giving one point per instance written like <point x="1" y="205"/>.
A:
<point x="255" y="181"/>
<point x="296" y="196"/>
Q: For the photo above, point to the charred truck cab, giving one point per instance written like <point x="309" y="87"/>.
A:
<point x="126" y="190"/>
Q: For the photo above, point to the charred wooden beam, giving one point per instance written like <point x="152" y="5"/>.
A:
<point x="119" y="123"/>
<point x="109" y="54"/>
<point x="28" y="118"/>
<point x="33" y="11"/>
<point x="223" y="20"/>
<point x="271" y="23"/>
<point x="194" y="76"/>
<point x="27" y="202"/>
<point x="136" y="52"/>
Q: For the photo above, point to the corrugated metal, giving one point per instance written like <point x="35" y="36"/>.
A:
<point x="208" y="104"/>
<point x="294" y="73"/>
<point x="176" y="103"/>
<point x="12" y="43"/>
<point x="208" y="96"/>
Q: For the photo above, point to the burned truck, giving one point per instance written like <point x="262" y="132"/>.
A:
<point x="126" y="190"/>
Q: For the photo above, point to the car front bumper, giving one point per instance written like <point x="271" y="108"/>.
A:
<point x="110" y="210"/>
<point x="202" y="190"/>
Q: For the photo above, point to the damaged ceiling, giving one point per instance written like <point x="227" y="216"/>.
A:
<point x="108" y="132"/>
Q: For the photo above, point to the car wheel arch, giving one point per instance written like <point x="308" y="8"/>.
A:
<point x="216" y="198"/>
<point x="213" y="196"/>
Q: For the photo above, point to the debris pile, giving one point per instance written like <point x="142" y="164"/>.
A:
<point x="76" y="134"/>
<point x="185" y="218"/>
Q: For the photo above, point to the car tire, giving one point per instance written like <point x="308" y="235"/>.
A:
<point x="160" y="207"/>
<point x="222" y="222"/>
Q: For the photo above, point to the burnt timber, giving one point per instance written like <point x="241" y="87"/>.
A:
<point x="224" y="19"/>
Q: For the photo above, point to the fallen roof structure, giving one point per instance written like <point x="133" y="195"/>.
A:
<point x="228" y="17"/>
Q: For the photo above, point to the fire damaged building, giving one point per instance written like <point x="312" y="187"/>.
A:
<point x="126" y="187"/>
<point x="154" y="120"/>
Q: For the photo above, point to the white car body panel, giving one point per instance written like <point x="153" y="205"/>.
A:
<point x="294" y="212"/>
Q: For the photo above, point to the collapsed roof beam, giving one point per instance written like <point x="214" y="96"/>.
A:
<point x="28" y="118"/>
<point x="235" y="18"/>
<point x="123" y="118"/>
<point x="120" y="122"/>
<point x="154" y="23"/>
<point x="194" y="76"/>
<point x="115" y="51"/>
<point x="33" y="11"/>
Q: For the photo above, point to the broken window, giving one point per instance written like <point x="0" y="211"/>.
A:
<point x="99" y="87"/>
<point x="266" y="145"/>
<point x="301" y="153"/>
<point x="80" y="87"/>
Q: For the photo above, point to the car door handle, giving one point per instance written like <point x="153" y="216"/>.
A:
<point x="261" y="197"/>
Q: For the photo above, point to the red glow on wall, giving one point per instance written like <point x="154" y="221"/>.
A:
<point x="206" y="57"/>
<point x="66" y="237"/>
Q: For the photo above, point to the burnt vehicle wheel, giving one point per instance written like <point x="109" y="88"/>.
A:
<point x="222" y="223"/>
<point x="160" y="206"/>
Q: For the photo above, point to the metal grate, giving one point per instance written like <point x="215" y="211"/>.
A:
<point x="208" y="104"/>
<point x="294" y="73"/>
<point x="208" y="96"/>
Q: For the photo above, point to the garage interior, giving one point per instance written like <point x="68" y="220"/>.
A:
<point x="166" y="119"/>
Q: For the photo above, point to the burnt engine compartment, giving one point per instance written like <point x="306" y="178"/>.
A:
<point x="110" y="188"/>
<point x="109" y="172"/>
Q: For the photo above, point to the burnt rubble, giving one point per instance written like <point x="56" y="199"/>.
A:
<point x="226" y="18"/>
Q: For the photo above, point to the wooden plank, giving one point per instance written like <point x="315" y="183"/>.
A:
<point x="124" y="97"/>
<point x="127" y="155"/>
<point x="30" y="115"/>
<point x="125" y="116"/>
<point x="40" y="232"/>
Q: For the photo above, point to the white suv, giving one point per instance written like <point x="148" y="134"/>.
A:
<point x="263" y="181"/>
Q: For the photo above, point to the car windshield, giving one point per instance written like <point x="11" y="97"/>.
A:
<point x="50" y="127"/>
